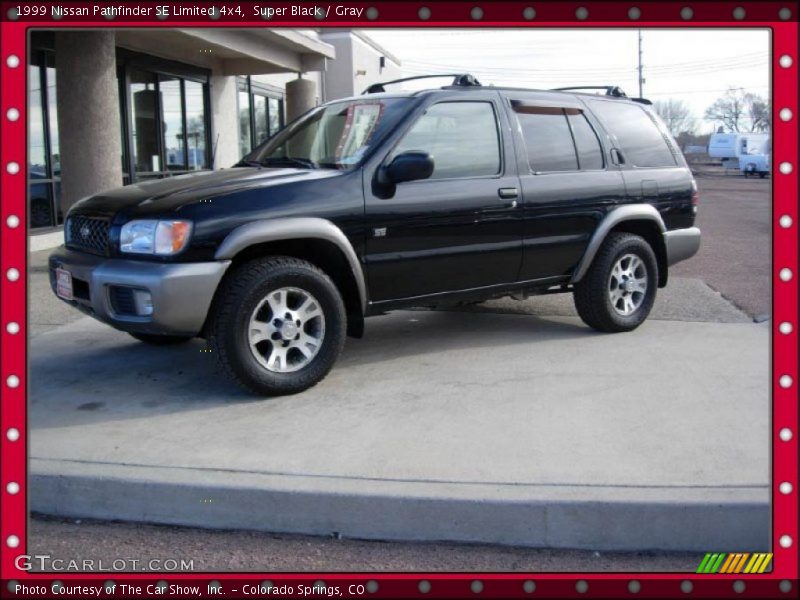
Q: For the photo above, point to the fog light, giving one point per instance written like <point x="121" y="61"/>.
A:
<point x="143" y="302"/>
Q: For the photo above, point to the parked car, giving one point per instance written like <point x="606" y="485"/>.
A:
<point x="387" y="201"/>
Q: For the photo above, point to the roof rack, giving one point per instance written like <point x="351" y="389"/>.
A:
<point x="611" y="90"/>
<point x="459" y="79"/>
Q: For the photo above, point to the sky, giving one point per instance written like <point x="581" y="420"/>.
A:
<point x="696" y="66"/>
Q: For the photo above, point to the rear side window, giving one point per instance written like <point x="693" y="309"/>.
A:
<point x="461" y="137"/>
<point x="558" y="139"/>
<point x="640" y="138"/>
<point x="547" y="138"/>
<point x="590" y="153"/>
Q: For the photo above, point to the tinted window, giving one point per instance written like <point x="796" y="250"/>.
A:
<point x="640" y="138"/>
<point x="547" y="139"/>
<point x="461" y="136"/>
<point x="590" y="153"/>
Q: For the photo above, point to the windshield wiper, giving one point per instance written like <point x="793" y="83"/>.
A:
<point x="248" y="163"/>
<point x="289" y="161"/>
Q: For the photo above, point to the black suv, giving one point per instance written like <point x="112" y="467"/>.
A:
<point x="384" y="201"/>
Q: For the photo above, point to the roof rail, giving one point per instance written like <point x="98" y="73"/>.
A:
<point x="459" y="79"/>
<point x="611" y="90"/>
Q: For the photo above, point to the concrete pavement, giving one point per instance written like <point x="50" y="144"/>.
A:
<point x="537" y="431"/>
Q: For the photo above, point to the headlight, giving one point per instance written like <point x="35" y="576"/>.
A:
<point x="154" y="237"/>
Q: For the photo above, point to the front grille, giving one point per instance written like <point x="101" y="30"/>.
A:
<point x="122" y="300"/>
<point x="87" y="233"/>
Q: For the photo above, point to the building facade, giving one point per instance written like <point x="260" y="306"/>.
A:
<point x="107" y="108"/>
<point x="359" y="63"/>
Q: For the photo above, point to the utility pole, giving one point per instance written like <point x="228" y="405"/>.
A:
<point x="641" y="79"/>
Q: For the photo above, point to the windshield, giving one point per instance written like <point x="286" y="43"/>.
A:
<point x="335" y="136"/>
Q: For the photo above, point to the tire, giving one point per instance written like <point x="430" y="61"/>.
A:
<point x="599" y="297"/>
<point x="266" y="352"/>
<point x="160" y="340"/>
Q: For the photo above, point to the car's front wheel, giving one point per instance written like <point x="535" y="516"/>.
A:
<point x="619" y="289"/>
<point x="278" y="325"/>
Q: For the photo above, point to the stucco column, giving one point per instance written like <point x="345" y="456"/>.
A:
<point x="88" y="114"/>
<point x="301" y="95"/>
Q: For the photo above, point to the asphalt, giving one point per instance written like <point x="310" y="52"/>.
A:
<point x="220" y="551"/>
<point x="735" y="257"/>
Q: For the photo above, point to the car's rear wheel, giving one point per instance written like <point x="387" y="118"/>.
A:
<point x="619" y="289"/>
<point x="161" y="340"/>
<point x="278" y="325"/>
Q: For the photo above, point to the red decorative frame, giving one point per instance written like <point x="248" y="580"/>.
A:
<point x="781" y="582"/>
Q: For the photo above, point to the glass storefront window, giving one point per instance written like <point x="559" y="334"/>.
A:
<point x="196" y="125"/>
<point x="172" y="123"/>
<point x="52" y="120"/>
<point x="244" y="123"/>
<point x="44" y="161"/>
<point x="144" y="125"/>
<point x="274" y="115"/>
<point x="37" y="165"/>
<point x="260" y="114"/>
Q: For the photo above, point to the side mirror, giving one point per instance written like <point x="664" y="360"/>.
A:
<point x="408" y="166"/>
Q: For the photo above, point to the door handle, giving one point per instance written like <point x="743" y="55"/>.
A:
<point x="510" y="192"/>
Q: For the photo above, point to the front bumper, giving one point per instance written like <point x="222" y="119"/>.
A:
<point x="681" y="244"/>
<point x="181" y="292"/>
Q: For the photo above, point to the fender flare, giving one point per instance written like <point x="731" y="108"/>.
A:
<point x="628" y="212"/>
<point x="291" y="228"/>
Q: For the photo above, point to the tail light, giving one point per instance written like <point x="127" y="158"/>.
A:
<point x="695" y="195"/>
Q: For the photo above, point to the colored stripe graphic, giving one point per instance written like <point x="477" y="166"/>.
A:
<point x="735" y="562"/>
<point x="718" y="563"/>
<point x="763" y="566"/>
<point x="740" y="565"/>
<point x="727" y="564"/>
<point x="703" y="563"/>
<point x="754" y="560"/>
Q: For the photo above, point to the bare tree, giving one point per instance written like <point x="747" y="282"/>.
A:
<point x="676" y="115"/>
<point x="758" y="111"/>
<point x="740" y="111"/>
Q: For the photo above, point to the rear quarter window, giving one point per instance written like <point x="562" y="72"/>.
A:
<point x="640" y="138"/>
<point x="558" y="139"/>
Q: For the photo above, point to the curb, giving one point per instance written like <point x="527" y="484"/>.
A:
<point x="579" y="517"/>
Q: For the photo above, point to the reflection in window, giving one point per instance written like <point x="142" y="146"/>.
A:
<point x="195" y="125"/>
<point x="172" y="123"/>
<point x="144" y="129"/>
<point x="44" y="161"/>
<point x="461" y="137"/>
<point x="260" y="112"/>
<point x="244" y="123"/>
<point x="55" y="156"/>
<point x="37" y="167"/>
<point x="590" y="153"/>
<point x="41" y="208"/>
<point x="274" y="115"/>
<point x="548" y="139"/>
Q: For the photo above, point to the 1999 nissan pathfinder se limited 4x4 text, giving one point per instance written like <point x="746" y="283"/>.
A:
<point x="385" y="201"/>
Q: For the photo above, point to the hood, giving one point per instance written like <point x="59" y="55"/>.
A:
<point x="158" y="196"/>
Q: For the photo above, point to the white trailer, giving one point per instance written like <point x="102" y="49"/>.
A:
<point x="730" y="147"/>
<point x="757" y="163"/>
